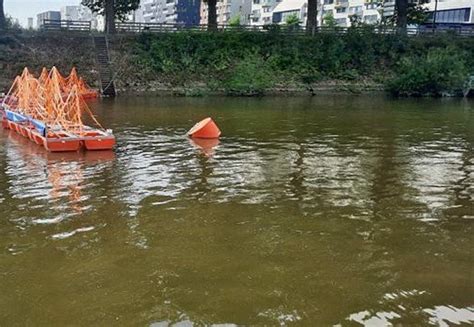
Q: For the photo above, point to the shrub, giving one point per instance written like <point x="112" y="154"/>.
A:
<point x="251" y="76"/>
<point x="329" y="20"/>
<point x="292" y="20"/>
<point x="234" y="21"/>
<point x="294" y="59"/>
<point x="437" y="72"/>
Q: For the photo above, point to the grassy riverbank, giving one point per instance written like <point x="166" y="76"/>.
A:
<point x="256" y="63"/>
<point x="248" y="63"/>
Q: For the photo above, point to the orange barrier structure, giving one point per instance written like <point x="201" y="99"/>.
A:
<point x="205" y="129"/>
<point x="84" y="90"/>
<point x="49" y="110"/>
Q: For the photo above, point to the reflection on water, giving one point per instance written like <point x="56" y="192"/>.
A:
<point x="207" y="146"/>
<point x="406" y="304"/>
<point x="37" y="177"/>
<point x="320" y="211"/>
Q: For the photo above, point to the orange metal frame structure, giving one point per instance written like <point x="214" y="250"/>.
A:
<point x="49" y="110"/>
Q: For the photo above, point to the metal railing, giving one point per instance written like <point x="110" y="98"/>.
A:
<point x="66" y="25"/>
<point x="131" y="27"/>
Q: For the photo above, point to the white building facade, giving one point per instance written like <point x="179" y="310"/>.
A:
<point x="452" y="11"/>
<point x="262" y="11"/>
<point x="49" y="15"/>
<point x="369" y="11"/>
<point x="227" y="10"/>
<point x="290" y="8"/>
<point x="373" y="11"/>
<point x="84" y="14"/>
<point x="185" y="12"/>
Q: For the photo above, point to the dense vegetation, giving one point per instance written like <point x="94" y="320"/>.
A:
<point x="248" y="63"/>
<point x="251" y="63"/>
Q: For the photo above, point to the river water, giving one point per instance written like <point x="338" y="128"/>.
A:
<point x="308" y="211"/>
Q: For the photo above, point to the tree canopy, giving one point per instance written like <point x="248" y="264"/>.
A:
<point x="292" y="20"/>
<point x="121" y="7"/>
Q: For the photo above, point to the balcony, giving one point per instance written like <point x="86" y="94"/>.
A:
<point x="256" y="14"/>
<point x="342" y="3"/>
<point x="266" y="3"/>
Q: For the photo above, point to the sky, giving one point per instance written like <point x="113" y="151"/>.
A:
<point x="22" y="9"/>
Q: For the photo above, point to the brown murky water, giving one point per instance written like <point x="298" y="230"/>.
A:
<point x="324" y="211"/>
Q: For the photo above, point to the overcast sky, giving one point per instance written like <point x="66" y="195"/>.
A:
<point x="22" y="9"/>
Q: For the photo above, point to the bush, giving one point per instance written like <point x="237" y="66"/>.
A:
<point x="223" y="60"/>
<point x="438" y="72"/>
<point x="251" y="76"/>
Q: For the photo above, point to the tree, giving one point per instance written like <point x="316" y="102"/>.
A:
<point x="356" y="20"/>
<point x="329" y="20"/>
<point x="401" y="9"/>
<point x="416" y="14"/>
<point x="410" y="13"/>
<point x="235" y="21"/>
<point x="312" y="18"/>
<point x="292" y="20"/>
<point x="111" y="9"/>
<point x="211" y="14"/>
<point x="3" y="21"/>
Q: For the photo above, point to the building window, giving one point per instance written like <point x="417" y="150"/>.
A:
<point x="341" y="22"/>
<point x="369" y="6"/>
<point x="355" y="9"/>
<point x="328" y="2"/>
<point x="341" y="10"/>
<point x="370" y="19"/>
<point x="452" y="16"/>
<point x="277" y="17"/>
<point x="256" y="2"/>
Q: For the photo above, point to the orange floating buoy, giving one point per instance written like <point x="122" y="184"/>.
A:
<point x="205" y="129"/>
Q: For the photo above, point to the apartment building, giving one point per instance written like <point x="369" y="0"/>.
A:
<point x="341" y="10"/>
<point x="288" y="8"/>
<point x="76" y="13"/>
<point x="185" y="12"/>
<point x="84" y="14"/>
<point x="369" y="11"/>
<point x="227" y="10"/>
<point x="262" y="11"/>
<point x="54" y="15"/>
<point x="452" y="11"/>
<point x="372" y="11"/>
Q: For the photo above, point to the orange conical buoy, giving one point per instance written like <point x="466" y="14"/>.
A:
<point x="205" y="129"/>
